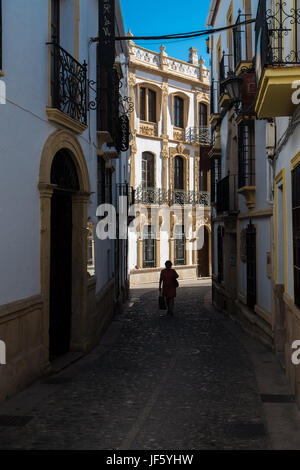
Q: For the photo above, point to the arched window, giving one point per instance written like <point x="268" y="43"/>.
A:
<point x="178" y="173"/>
<point x="148" y="170"/>
<point x="148" y="104"/>
<point x="178" y="112"/>
<point x="202" y="115"/>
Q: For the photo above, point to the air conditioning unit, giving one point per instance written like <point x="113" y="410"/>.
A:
<point x="270" y="138"/>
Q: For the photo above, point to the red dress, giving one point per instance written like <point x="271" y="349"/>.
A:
<point x="168" y="278"/>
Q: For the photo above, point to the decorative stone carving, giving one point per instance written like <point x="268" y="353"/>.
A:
<point x="179" y="134"/>
<point x="149" y="129"/>
<point x="180" y="148"/>
<point x="131" y="79"/>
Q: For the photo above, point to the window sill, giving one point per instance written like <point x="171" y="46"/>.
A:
<point x="59" y="117"/>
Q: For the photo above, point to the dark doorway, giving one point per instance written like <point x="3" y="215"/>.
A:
<point x="203" y="257"/>
<point x="61" y="273"/>
<point x="64" y="177"/>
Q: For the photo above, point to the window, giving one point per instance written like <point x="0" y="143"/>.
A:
<point x="202" y="115"/>
<point x="178" y="111"/>
<point x="55" y="21"/>
<point x="148" y="170"/>
<point x="151" y="106"/>
<point x="104" y="182"/>
<point x="0" y="34"/>
<point x="143" y="104"/>
<point x="148" y="247"/>
<point x="147" y="105"/>
<point x="178" y="173"/>
<point x="179" y="245"/>
<point x="108" y="185"/>
<point x="246" y="154"/>
<point x="296" y="231"/>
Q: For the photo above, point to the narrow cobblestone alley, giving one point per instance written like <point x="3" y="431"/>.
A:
<point x="154" y="382"/>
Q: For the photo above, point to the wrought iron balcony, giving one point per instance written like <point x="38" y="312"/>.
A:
<point x="277" y="32"/>
<point x="170" y="197"/>
<point x="198" y="135"/>
<point x="68" y="84"/>
<point x="227" y="194"/>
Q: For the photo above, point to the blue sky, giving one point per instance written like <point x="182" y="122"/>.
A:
<point x="158" y="17"/>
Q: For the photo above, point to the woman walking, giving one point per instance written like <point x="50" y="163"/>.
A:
<point x="168" y="278"/>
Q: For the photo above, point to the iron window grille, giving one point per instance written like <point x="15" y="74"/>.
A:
<point x="296" y="231"/>
<point x="179" y="245"/>
<point x="240" y="40"/>
<point x="251" y="265"/>
<point x="69" y="84"/>
<point x="214" y="96"/>
<point x="215" y="176"/>
<point x="148" y="247"/>
<point x="246" y="156"/>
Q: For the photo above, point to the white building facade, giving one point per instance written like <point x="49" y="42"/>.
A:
<point x="169" y="171"/>
<point x="242" y="212"/>
<point x="59" y="282"/>
<point x="277" y="103"/>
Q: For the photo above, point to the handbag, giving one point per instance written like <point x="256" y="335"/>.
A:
<point x="162" y="303"/>
<point x="176" y="283"/>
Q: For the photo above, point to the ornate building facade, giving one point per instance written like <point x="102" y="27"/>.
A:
<point x="169" y="163"/>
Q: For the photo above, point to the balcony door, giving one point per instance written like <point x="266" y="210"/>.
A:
<point x="178" y="173"/>
<point x="55" y="21"/>
<point x="202" y="115"/>
<point x="148" y="170"/>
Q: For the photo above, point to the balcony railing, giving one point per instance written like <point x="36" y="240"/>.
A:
<point x="227" y="194"/>
<point x="160" y="196"/>
<point x="69" y="84"/>
<point x="198" y="135"/>
<point x="277" y="28"/>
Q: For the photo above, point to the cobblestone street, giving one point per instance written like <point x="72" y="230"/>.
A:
<point x="154" y="382"/>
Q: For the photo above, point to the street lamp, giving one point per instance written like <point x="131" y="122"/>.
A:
<point x="233" y="85"/>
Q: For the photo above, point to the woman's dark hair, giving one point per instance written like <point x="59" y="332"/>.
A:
<point x="168" y="263"/>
